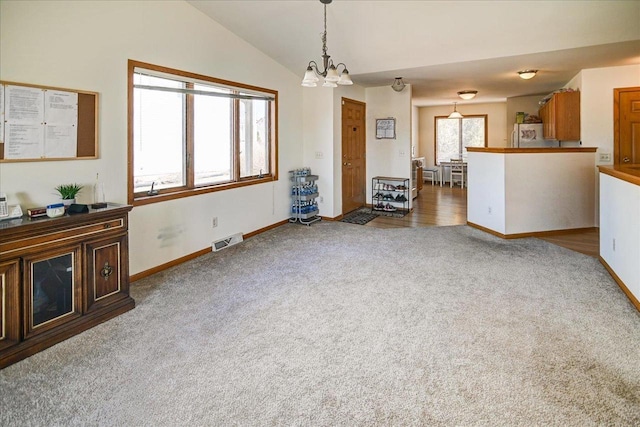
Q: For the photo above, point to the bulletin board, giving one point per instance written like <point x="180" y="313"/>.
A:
<point x="42" y="123"/>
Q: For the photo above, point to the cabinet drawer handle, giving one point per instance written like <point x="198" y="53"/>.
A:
<point x="106" y="270"/>
<point x="107" y="226"/>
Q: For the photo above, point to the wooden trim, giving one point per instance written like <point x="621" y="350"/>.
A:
<point x="532" y="150"/>
<point x="486" y="230"/>
<point x="621" y="284"/>
<point x="531" y="233"/>
<point x="623" y="173"/>
<point x="263" y="229"/>
<point x="197" y="254"/>
<point x="335" y="218"/>
<point x="168" y="265"/>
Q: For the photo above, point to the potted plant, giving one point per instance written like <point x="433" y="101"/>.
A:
<point x="68" y="193"/>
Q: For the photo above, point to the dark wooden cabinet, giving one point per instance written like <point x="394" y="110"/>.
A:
<point x="61" y="276"/>
<point x="561" y="117"/>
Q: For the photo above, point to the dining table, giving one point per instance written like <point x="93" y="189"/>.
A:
<point x="444" y="164"/>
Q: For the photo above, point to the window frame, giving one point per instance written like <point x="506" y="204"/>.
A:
<point x="142" y="198"/>
<point x="461" y="142"/>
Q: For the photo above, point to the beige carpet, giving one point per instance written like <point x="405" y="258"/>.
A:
<point x="339" y="324"/>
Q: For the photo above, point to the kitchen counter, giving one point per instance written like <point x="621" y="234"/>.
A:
<point x="521" y="192"/>
<point x="628" y="172"/>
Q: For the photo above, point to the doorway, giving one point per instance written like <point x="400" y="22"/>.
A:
<point x="626" y="125"/>
<point x="353" y="155"/>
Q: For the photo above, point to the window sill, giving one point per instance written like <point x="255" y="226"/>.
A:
<point x="142" y="199"/>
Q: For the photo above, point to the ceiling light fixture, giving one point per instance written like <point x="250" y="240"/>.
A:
<point x="467" y="94"/>
<point x="527" y="74"/>
<point x="398" y="84"/>
<point x="455" y="114"/>
<point x="330" y="71"/>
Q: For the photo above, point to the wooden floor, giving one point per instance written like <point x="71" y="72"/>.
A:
<point x="440" y="206"/>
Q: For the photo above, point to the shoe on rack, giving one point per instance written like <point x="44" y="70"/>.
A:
<point x="389" y="207"/>
<point x="377" y="196"/>
<point x="379" y="207"/>
<point x="401" y="188"/>
<point x="401" y="198"/>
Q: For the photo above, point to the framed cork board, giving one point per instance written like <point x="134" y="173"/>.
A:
<point x="43" y="123"/>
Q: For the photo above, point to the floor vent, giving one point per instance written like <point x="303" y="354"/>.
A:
<point x="234" y="239"/>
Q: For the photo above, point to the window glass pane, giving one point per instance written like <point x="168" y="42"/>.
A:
<point x="254" y="137"/>
<point x="447" y="139"/>
<point x="472" y="133"/>
<point x="158" y="135"/>
<point x="212" y="140"/>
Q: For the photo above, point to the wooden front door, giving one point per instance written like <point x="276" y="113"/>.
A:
<point x="626" y="125"/>
<point x="353" y="155"/>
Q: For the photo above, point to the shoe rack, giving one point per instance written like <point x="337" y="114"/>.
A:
<point x="304" y="191"/>
<point x="390" y="195"/>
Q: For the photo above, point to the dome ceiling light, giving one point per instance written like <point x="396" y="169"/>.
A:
<point x="467" y="94"/>
<point x="527" y="74"/>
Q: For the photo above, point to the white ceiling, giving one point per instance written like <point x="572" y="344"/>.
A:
<point x="442" y="47"/>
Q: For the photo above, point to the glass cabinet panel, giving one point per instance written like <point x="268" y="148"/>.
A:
<point x="53" y="290"/>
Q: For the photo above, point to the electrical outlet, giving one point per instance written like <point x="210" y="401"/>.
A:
<point x="320" y="199"/>
<point x="319" y="155"/>
<point x="604" y="157"/>
<point x="214" y="222"/>
<point x="401" y="153"/>
<point x="489" y="210"/>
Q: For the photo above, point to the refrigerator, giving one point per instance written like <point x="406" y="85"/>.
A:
<point x="529" y="135"/>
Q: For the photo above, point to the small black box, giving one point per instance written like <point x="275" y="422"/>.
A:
<point x="76" y="209"/>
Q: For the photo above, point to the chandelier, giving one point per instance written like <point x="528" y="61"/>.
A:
<point x="330" y="72"/>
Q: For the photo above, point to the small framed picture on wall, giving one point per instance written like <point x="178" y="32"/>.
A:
<point x="386" y="128"/>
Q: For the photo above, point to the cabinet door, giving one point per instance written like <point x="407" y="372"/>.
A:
<point x="548" y="116"/>
<point x="9" y="304"/>
<point x="52" y="289"/>
<point x="567" y="116"/>
<point x="107" y="272"/>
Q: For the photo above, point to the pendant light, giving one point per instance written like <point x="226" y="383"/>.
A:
<point x="455" y="114"/>
<point x="332" y="78"/>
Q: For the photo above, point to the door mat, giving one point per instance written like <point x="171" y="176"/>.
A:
<point x="360" y="216"/>
<point x="364" y="215"/>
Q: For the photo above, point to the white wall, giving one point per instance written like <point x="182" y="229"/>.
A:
<point x="596" y="102"/>
<point x="86" y="45"/>
<point x="388" y="157"/>
<point x="547" y="192"/>
<point x="486" y="205"/>
<point x="322" y="118"/>
<point x="496" y="121"/>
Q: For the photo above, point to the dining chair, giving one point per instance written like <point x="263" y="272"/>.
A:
<point x="432" y="174"/>
<point x="457" y="170"/>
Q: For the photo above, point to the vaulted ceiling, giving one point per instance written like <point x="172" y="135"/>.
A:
<point x="441" y="47"/>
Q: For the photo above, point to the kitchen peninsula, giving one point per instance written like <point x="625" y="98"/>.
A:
<point x="520" y="192"/>
<point x="620" y="228"/>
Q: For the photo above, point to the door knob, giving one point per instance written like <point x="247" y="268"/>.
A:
<point x="626" y="160"/>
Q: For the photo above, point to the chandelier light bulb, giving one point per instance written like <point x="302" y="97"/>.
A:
<point x="332" y="77"/>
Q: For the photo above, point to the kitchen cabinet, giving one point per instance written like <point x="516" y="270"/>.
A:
<point x="561" y="117"/>
<point x="61" y="276"/>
